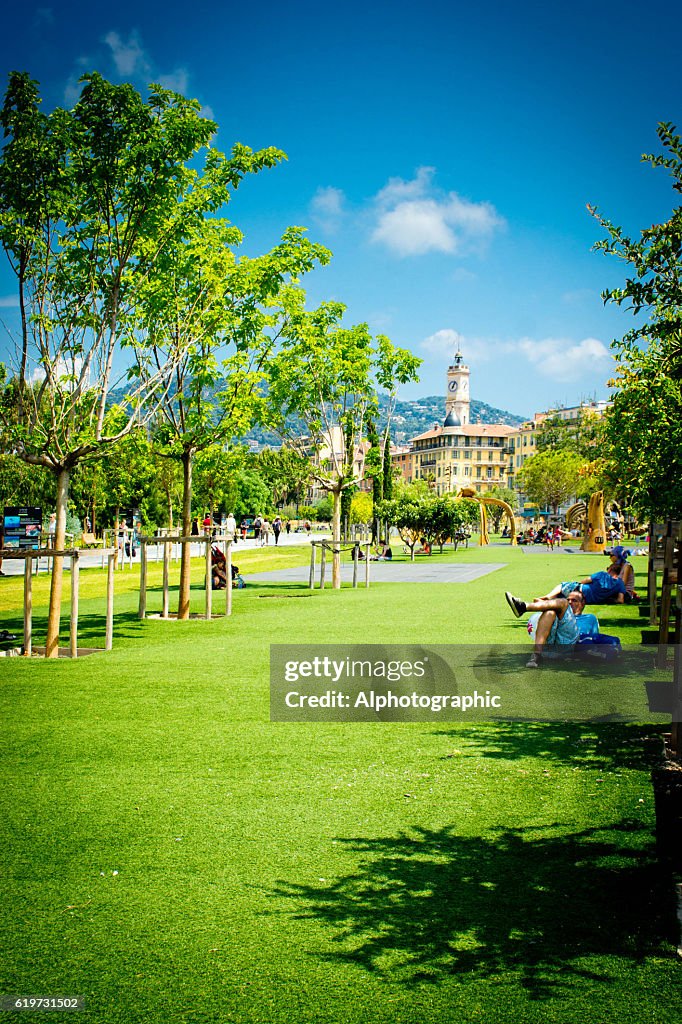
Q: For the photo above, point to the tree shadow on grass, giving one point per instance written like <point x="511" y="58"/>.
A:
<point x="91" y="628"/>
<point x="427" y="904"/>
<point x="601" y="746"/>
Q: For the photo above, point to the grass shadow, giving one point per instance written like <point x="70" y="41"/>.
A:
<point x="428" y="904"/>
<point x="602" y="746"/>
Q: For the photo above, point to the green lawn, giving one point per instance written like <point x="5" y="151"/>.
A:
<point x="173" y="856"/>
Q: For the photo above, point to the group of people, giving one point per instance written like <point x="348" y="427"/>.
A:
<point x="562" y="620"/>
<point x="383" y="554"/>
<point x="550" y="536"/>
<point x="262" y="528"/>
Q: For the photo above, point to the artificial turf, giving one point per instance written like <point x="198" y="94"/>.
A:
<point x="171" y="855"/>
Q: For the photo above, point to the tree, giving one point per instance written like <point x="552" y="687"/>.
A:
<point x="406" y="513"/>
<point x="421" y="514"/>
<point x="327" y="375"/>
<point x="584" y="434"/>
<point x="551" y="478"/>
<point x="207" y="313"/>
<point x="252" y="496"/>
<point x="361" y="509"/>
<point x="643" y="425"/>
<point x="285" y="471"/>
<point x="85" y="197"/>
<point x="447" y="515"/>
<point x="214" y="478"/>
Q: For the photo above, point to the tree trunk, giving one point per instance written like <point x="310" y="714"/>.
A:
<point x="117" y="516"/>
<point x="185" y="566"/>
<point x="54" y="614"/>
<point x="336" y="540"/>
<point x="169" y="500"/>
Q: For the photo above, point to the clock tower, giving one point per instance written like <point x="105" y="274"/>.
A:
<point x="458" y="398"/>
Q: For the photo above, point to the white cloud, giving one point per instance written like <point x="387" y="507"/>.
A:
<point x="559" y="359"/>
<point x="9" y="302"/>
<point x="132" y="63"/>
<point x="564" y="360"/>
<point x="177" y="81"/>
<point x="398" y="191"/>
<point x="72" y="89"/>
<point x="413" y="218"/>
<point x="67" y="371"/>
<point x="327" y="207"/>
<point x="443" y="343"/>
<point x="130" y="59"/>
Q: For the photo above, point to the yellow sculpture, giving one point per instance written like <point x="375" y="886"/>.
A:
<point x="576" y="515"/>
<point x="483" y="500"/>
<point x="594" y="538"/>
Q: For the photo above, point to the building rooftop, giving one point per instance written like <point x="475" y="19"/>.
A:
<point x="468" y="430"/>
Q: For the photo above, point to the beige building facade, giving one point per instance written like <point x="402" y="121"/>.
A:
<point x="458" y="453"/>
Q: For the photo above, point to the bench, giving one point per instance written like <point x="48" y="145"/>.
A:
<point x="89" y="540"/>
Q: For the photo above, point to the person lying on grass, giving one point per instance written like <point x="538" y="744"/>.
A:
<point x="599" y="588"/>
<point x="561" y="624"/>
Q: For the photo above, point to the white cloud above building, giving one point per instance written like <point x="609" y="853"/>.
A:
<point x="563" y="360"/>
<point x="414" y="218"/>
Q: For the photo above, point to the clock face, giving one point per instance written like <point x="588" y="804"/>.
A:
<point x="464" y="385"/>
<point x="452" y="385"/>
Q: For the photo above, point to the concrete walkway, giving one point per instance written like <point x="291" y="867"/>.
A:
<point x="95" y="558"/>
<point x="420" y="571"/>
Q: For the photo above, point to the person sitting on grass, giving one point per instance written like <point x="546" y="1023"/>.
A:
<point x="599" y="588"/>
<point x="619" y="559"/>
<point x="558" y="625"/>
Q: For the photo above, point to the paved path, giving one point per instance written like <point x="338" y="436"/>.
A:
<point x="385" y="572"/>
<point x="93" y="557"/>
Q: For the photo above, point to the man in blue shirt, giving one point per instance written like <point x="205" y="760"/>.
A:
<point x="599" y="588"/>
<point x="558" y="624"/>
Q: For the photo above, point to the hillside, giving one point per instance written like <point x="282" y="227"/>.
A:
<point x="412" y="418"/>
<point x="409" y="418"/>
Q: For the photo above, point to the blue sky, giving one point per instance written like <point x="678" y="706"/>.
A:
<point x="445" y="153"/>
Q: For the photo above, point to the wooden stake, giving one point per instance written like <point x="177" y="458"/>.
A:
<point x="228" y="577"/>
<point x="311" y="580"/>
<point x="75" y="574"/>
<point x="323" y="564"/>
<point x="209" y="590"/>
<point x="166" y="565"/>
<point x="109" y="638"/>
<point x="28" y="606"/>
<point x="142" y="609"/>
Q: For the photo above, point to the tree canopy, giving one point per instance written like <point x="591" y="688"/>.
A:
<point x="550" y="478"/>
<point x="327" y="375"/>
<point x="644" y="423"/>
